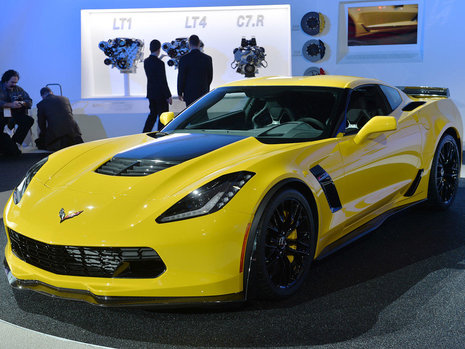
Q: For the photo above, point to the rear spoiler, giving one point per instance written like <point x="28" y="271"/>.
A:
<point x="425" y="91"/>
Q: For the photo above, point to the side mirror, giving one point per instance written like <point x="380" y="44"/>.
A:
<point x="166" y="117"/>
<point x="375" y="125"/>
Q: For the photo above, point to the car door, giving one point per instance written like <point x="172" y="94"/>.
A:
<point x="379" y="170"/>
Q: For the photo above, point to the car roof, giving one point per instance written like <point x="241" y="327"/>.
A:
<point x="339" y="81"/>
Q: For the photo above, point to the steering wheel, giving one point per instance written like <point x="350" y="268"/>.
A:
<point x="313" y="122"/>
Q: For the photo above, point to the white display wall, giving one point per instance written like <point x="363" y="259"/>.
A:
<point x="44" y="44"/>
<point x="220" y="29"/>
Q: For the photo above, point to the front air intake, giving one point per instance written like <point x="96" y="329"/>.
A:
<point x="133" y="167"/>
<point x="106" y="262"/>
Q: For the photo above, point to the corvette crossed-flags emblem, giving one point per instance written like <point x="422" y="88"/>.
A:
<point x="64" y="216"/>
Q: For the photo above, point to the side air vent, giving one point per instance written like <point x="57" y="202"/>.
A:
<point x="413" y="187"/>
<point x="328" y="186"/>
<point x="412" y="106"/>
<point x="133" y="167"/>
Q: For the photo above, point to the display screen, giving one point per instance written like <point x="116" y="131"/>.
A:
<point x="221" y="30"/>
<point x="382" y="25"/>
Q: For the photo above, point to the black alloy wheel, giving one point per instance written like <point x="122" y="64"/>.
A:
<point x="444" y="177"/>
<point x="285" y="245"/>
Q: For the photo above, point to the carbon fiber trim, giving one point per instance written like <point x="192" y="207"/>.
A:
<point x="425" y="91"/>
<point x="105" y="301"/>
<point x="415" y="183"/>
<point x="133" y="167"/>
<point x="328" y="186"/>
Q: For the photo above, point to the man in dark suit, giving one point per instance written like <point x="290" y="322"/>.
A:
<point x="58" y="129"/>
<point x="158" y="92"/>
<point x="195" y="73"/>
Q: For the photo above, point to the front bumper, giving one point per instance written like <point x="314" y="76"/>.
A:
<point x="115" y="301"/>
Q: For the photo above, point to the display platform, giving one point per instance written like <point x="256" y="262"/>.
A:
<point x="400" y="286"/>
<point x="104" y="118"/>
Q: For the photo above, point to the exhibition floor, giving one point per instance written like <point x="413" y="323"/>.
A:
<point x="400" y="286"/>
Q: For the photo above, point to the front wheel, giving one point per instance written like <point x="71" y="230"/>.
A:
<point x="285" y="245"/>
<point x="444" y="177"/>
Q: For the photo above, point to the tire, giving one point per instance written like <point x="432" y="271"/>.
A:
<point x="285" y="245"/>
<point x="444" y="176"/>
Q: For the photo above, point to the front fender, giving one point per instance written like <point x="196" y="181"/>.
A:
<point x="249" y="256"/>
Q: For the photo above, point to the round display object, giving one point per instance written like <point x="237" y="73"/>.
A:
<point x="314" y="50"/>
<point x="313" y="23"/>
<point x="312" y="71"/>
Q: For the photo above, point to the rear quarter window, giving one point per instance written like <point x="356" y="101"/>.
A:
<point x="392" y="96"/>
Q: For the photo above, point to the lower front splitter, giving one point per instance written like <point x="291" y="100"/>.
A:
<point x="106" y="301"/>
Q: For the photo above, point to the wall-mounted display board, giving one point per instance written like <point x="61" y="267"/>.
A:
<point x="220" y="29"/>
<point x="389" y="31"/>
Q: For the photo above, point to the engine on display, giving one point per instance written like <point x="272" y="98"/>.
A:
<point x="123" y="53"/>
<point x="176" y="49"/>
<point x="248" y="58"/>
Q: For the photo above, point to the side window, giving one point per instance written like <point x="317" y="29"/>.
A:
<point x="392" y="96"/>
<point x="365" y="102"/>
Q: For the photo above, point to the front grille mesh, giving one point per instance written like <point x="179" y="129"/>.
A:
<point x="133" y="167"/>
<point x="108" y="262"/>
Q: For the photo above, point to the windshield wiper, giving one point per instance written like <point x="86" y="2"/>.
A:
<point x="157" y="134"/>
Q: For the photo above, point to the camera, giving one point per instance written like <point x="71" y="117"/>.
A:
<point x="176" y="49"/>
<point x="123" y="53"/>
<point x="248" y="58"/>
<point x="19" y="99"/>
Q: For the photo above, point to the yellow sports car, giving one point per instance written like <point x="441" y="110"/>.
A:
<point x="236" y="196"/>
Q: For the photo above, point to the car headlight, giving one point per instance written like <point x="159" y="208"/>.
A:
<point x="208" y="198"/>
<point x="21" y="188"/>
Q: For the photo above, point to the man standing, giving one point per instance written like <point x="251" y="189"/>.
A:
<point x="58" y="129"/>
<point x="14" y="105"/>
<point x="195" y="73"/>
<point x="158" y="92"/>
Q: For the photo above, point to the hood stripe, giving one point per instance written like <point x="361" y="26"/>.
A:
<point x="179" y="147"/>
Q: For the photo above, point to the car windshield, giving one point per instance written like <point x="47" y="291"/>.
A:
<point x="269" y="113"/>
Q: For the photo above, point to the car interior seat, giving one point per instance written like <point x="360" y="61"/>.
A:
<point x="357" y="113"/>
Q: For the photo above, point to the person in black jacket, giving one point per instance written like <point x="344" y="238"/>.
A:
<point x="158" y="92"/>
<point x="58" y="129"/>
<point x="17" y="102"/>
<point x="195" y="73"/>
<point x="7" y="146"/>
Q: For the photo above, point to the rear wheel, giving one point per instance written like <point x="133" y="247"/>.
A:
<point x="285" y="245"/>
<point x="444" y="177"/>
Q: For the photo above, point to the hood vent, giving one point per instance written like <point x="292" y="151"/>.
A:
<point x="133" y="167"/>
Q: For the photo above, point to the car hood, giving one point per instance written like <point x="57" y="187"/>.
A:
<point x="69" y="182"/>
<point x="158" y="167"/>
